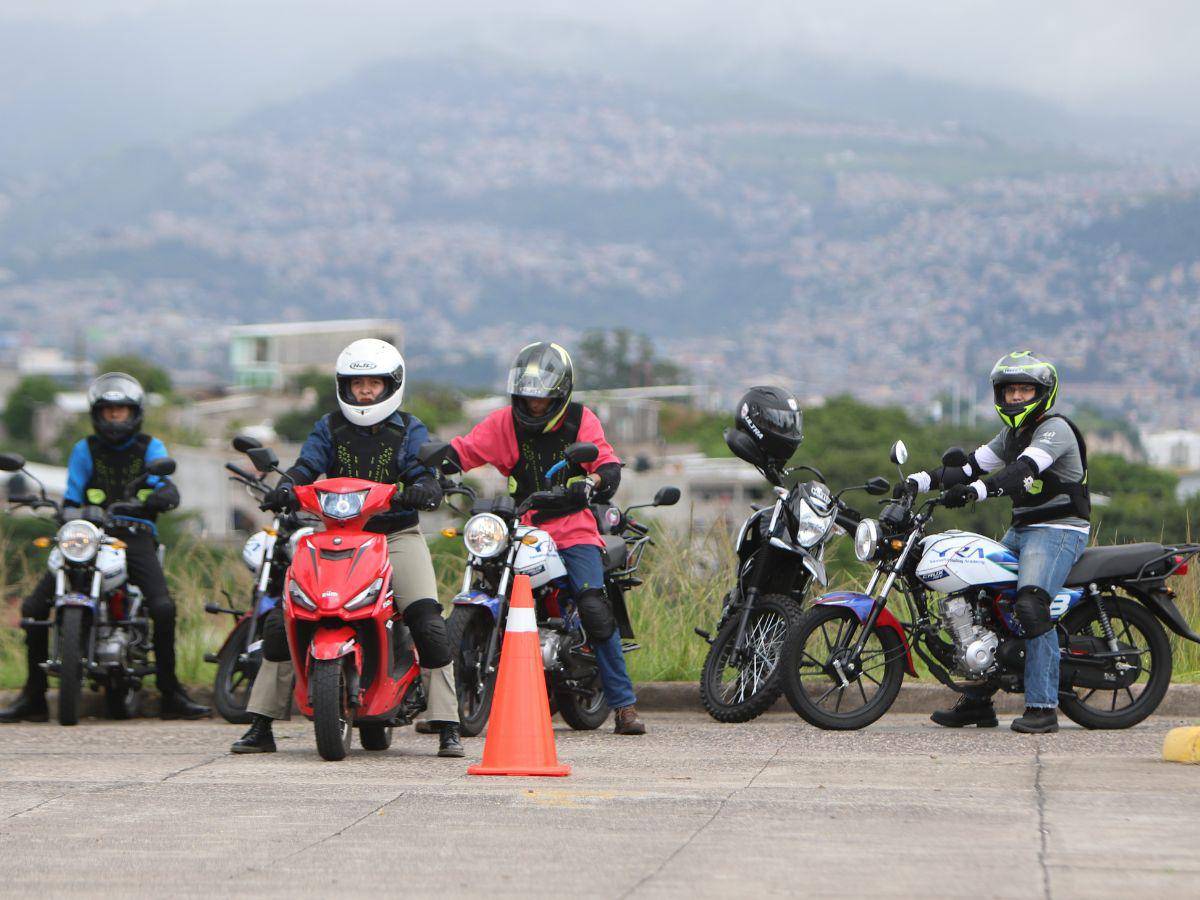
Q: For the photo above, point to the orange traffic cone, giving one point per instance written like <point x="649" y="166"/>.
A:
<point x="520" y="740"/>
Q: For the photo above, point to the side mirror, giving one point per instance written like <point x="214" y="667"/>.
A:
<point x="666" y="496"/>
<point x="899" y="453"/>
<point x="955" y="457"/>
<point x="11" y="462"/>
<point x="161" y="467"/>
<point x="581" y="452"/>
<point x="244" y="444"/>
<point x="263" y="458"/>
<point x="878" y="486"/>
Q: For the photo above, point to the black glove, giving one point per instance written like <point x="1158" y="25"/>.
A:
<point x="580" y="492"/>
<point x="905" y="488"/>
<point x="281" y="498"/>
<point x="163" y="498"/>
<point x="959" y="496"/>
<point x="424" y="494"/>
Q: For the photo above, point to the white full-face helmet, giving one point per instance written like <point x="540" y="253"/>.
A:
<point x="372" y="358"/>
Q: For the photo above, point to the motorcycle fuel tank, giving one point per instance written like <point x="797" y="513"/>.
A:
<point x="539" y="559"/>
<point x="956" y="560"/>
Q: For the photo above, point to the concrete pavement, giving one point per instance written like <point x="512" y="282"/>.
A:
<point x="695" y="808"/>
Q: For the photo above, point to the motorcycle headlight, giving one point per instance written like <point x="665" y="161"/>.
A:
<point x="811" y="527"/>
<point x="485" y="535"/>
<point x="866" y="539"/>
<point x="365" y="597"/>
<point x="78" y="540"/>
<point x="342" y="506"/>
<point x="300" y="598"/>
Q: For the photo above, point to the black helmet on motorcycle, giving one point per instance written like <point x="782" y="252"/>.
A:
<point x="116" y="389"/>
<point x="542" y="370"/>
<point x="772" y="418"/>
<point x="1022" y="367"/>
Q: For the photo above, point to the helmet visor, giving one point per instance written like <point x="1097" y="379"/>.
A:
<point x="115" y="389"/>
<point x="544" y="376"/>
<point x="784" y="422"/>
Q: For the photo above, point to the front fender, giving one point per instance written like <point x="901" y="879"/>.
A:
<point x="73" y="599"/>
<point x="334" y="643"/>
<point x="861" y="605"/>
<point x="480" y="598"/>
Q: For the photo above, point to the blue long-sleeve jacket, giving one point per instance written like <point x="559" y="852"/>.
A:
<point x="81" y="473"/>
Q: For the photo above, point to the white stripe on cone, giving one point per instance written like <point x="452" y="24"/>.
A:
<point x="521" y="619"/>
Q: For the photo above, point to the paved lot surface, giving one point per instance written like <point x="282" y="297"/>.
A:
<point x="694" y="809"/>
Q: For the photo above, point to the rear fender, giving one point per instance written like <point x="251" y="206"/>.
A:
<point x="480" y="598"/>
<point x="861" y="605"/>
<point x="1162" y="604"/>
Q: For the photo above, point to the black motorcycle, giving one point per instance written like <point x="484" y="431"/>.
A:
<point x="500" y="547"/>
<point x="781" y="552"/>
<point x="101" y="632"/>
<point x="844" y="664"/>
<point x="267" y="554"/>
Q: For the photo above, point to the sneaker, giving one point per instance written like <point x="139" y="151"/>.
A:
<point x="449" y="744"/>
<point x="178" y="705"/>
<point x="259" y="739"/>
<point x="627" y="721"/>
<point x="28" y="708"/>
<point x="1037" y="720"/>
<point x="977" y="711"/>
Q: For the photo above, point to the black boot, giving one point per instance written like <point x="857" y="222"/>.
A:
<point x="968" y="710"/>
<point x="259" y="739"/>
<point x="30" y="707"/>
<point x="450" y="745"/>
<point x="1037" y="720"/>
<point x="177" y="704"/>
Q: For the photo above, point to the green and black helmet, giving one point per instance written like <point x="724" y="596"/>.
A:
<point x="542" y="370"/>
<point x="1022" y="367"/>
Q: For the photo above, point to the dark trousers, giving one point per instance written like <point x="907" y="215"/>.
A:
<point x="141" y="559"/>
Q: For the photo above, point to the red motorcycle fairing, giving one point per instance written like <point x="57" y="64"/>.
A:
<point x="334" y="643"/>
<point x="861" y="605"/>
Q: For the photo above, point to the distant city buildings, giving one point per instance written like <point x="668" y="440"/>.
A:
<point x="270" y="356"/>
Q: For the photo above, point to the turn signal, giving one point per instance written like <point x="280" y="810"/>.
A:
<point x="530" y="539"/>
<point x="117" y="545"/>
<point x="897" y="544"/>
<point x="41" y="542"/>
<point x="450" y="532"/>
<point x="270" y="531"/>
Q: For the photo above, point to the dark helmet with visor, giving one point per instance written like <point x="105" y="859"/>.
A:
<point x="116" y="389"/>
<point x="772" y="418"/>
<point x="1022" y="367"/>
<point x="542" y="370"/>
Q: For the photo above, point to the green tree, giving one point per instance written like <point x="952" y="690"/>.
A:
<point x="622" y="359"/>
<point x="154" y="379"/>
<point x="30" y="393"/>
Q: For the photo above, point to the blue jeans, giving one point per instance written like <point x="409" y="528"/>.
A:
<point x="1046" y="556"/>
<point x="585" y="571"/>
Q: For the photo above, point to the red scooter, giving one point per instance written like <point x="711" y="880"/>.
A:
<point x="355" y="660"/>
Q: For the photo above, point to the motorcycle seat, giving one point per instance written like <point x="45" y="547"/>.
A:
<point x="616" y="552"/>
<point x="1100" y="563"/>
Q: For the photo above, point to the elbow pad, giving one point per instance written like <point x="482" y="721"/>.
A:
<point x="1012" y="479"/>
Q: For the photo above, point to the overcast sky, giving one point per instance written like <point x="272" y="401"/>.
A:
<point x="1118" y="57"/>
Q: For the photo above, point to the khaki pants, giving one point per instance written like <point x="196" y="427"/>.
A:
<point x="412" y="579"/>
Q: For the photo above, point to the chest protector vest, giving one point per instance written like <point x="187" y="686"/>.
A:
<point x="373" y="454"/>
<point x="538" y="452"/>
<point x="1035" y="503"/>
<point x="113" y="468"/>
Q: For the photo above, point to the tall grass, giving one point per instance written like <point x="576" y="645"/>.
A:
<point x="686" y="576"/>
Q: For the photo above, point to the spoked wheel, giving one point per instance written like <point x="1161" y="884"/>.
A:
<point x="468" y="632"/>
<point x="829" y="688"/>
<point x="739" y="686"/>
<point x="236" y="671"/>
<point x="1130" y="687"/>
<point x="332" y="715"/>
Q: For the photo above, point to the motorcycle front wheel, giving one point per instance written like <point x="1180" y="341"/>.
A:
<point x="823" y="641"/>
<point x="235" y="675"/>
<point x="468" y="631"/>
<point x="71" y="634"/>
<point x="332" y="715"/>
<point x="738" y="687"/>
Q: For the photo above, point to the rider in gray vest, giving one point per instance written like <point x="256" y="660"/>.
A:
<point x="1039" y="461"/>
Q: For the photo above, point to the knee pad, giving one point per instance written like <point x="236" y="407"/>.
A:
<point x="1033" y="611"/>
<point x="597" y="616"/>
<point x="274" y="637"/>
<point x="424" y="620"/>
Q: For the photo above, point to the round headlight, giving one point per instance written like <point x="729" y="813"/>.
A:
<point x="78" y="540"/>
<point x="485" y="535"/>
<point x="811" y="527"/>
<point x="866" y="539"/>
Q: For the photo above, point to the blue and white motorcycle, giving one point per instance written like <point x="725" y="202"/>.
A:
<point x="844" y="665"/>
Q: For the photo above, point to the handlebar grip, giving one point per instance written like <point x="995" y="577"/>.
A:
<point x="848" y="519"/>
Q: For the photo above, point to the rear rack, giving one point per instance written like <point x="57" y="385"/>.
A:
<point x="1184" y="550"/>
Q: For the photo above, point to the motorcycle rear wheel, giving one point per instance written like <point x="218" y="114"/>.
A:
<point x="121" y="700"/>
<point x="583" y="713"/>
<point x="70" y="672"/>
<point x="755" y="684"/>
<point x="1134" y="626"/>
<point x="812" y="685"/>
<point x="234" y="679"/>
<point x="332" y="715"/>
<point x="374" y="736"/>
